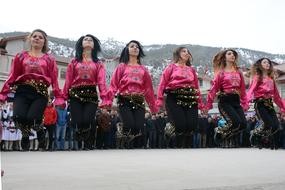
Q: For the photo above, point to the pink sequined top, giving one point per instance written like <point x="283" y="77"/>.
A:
<point x="86" y="74"/>
<point x="228" y="83"/>
<point x="264" y="89"/>
<point x="26" y="67"/>
<point x="132" y="80"/>
<point x="174" y="77"/>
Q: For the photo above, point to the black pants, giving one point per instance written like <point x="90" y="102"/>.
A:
<point x="51" y="130"/>
<point x="29" y="106"/>
<point x="28" y="111"/>
<point x="270" y="120"/>
<point x="133" y="119"/>
<point x="231" y="110"/>
<point x="185" y="119"/>
<point x="82" y="113"/>
<point x="267" y="115"/>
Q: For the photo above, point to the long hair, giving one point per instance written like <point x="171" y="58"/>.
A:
<point x="79" y="48"/>
<point x="45" y="48"/>
<point x="125" y="55"/>
<point x="176" y="55"/>
<point x="219" y="60"/>
<point x="257" y="69"/>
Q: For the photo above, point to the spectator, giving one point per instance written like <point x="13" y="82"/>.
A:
<point x="61" y="126"/>
<point x="50" y="118"/>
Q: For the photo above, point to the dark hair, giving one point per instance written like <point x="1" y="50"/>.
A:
<point x="219" y="61"/>
<point x="125" y="56"/>
<point x="176" y="55"/>
<point x="45" y="48"/>
<point x="95" y="50"/>
<point x="257" y="69"/>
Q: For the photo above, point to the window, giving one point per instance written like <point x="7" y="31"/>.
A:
<point x="282" y="87"/>
<point x="204" y="97"/>
<point x="200" y="82"/>
<point x="62" y="73"/>
<point x="108" y="77"/>
<point x="9" y="64"/>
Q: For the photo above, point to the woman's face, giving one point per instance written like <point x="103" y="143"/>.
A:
<point x="133" y="49"/>
<point x="87" y="43"/>
<point x="265" y="64"/>
<point x="49" y="102"/>
<point x="37" y="40"/>
<point x="230" y="56"/>
<point x="184" y="54"/>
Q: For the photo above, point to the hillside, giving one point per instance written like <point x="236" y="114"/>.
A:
<point x="158" y="56"/>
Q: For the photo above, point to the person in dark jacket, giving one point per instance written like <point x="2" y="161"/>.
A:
<point x="104" y="128"/>
<point x="160" y="126"/>
<point x="203" y="127"/>
<point x="114" y="121"/>
<point x="150" y="131"/>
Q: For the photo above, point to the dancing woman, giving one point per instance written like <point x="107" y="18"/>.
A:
<point x="84" y="74"/>
<point x="32" y="73"/>
<point x="180" y="83"/>
<point x="230" y="85"/>
<point x="132" y="84"/>
<point x="263" y="91"/>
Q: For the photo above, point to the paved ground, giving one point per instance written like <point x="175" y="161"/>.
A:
<point x="184" y="169"/>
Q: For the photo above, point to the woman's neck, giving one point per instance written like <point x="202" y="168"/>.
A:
<point x="264" y="74"/>
<point x="36" y="52"/>
<point x="229" y="67"/>
<point x="133" y="61"/>
<point x="87" y="55"/>
<point x="181" y="63"/>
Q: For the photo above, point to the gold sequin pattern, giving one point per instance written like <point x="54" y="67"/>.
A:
<point x="267" y="102"/>
<point x="221" y="93"/>
<point x="135" y="100"/>
<point x="39" y="86"/>
<point x="85" y="93"/>
<point x="186" y="97"/>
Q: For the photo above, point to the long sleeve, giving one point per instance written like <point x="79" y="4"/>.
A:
<point x="243" y="97"/>
<point x="216" y="85"/>
<point x="16" y="71"/>
<point x="53" y="71"/>
<point x="68" y="79"/>
<point x="277" y="99"/>
<point x="164" y="79"/>
<point x="114" y="85"/>
<point x="196" y="85"/>
<point x="101" y="81"/>
<point x="149" y="93"/>
<point x="252" y="88"/>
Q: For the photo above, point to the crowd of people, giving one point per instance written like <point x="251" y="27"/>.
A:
<point x="80" y="111"/>
<point x="107" y="132"/>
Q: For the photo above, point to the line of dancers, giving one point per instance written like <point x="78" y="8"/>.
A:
<point x="34" y="70"/>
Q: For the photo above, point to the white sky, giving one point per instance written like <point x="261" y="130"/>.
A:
<point x="252" y="24"/>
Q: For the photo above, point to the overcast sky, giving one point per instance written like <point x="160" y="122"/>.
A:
<point x="252" y="24"/>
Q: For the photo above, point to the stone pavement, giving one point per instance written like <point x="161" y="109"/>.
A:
<point x="174" y="169"/>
